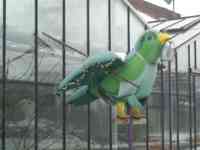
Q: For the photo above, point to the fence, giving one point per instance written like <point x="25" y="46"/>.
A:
<point x="50" y="124"/>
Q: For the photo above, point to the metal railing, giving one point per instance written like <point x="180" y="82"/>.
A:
<point x="191" y="91"/>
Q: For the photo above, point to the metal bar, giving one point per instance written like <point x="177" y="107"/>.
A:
<point x="147" y="119"/>
<point x="147" y="126"/>
<point x="130" y="124"/>
<point x="195" y="55"/>
<point x="63" y="73"/>
<point x="170" y="105"/>
<point x="195" y="114"/>
<point x="89" y="131"/>
<point x="172" y="24"/>
<point x="88" y="53"/>
<point x="190" y="97"/>
<point x="109" y="26"/>
<point x="157" y="24"/>
<point x="174" y="18"/>
<point x="194" y="96"/>
<point x="162" y="123"/>
<point x="173" y="5"/>
<point x="36" y="77"/>
<point x="177" y="102"/>
<point x="66" y="45"/>
<point x="128" y="30"/>
<point x="110" y="48"/>
<point x="110" y="127"/>
<point x="195" y="35"/>
<point x="130" y="130"/>
<point x="3" y="136"/>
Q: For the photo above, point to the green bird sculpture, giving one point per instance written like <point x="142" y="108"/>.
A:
<point x="124" y="83"/>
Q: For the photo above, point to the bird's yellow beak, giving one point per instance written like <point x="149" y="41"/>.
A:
<point x="164" y="37"/>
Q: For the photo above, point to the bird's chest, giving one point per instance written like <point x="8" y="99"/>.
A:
<point x="127" y="88"/>
<point x="141" y="85"/>
<point x="147" y="81"/>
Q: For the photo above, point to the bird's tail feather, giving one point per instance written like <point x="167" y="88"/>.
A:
<point x="81" y="96"/>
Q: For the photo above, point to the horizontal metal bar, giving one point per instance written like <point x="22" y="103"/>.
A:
<point x="163" y="20"/>
<point x="195" y="73"/>
<point x="195" y="35"/>
<point x="62" y="43"/>
<point x="172" y="24"/>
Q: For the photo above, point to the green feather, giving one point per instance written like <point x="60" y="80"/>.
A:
<point x="108" y="73"/>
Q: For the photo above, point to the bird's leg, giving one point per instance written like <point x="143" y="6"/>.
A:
<point x="136" y="107"/>
<point x="121" y="108"/>
<point x="137" y="113"/>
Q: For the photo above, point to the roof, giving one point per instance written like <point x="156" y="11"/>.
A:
<point x="153" y="10"/>
<point x="136" y="13"/>
<point x="182" y="29"/>
<point x="145" y="16"/>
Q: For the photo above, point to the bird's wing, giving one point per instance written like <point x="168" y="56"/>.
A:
<point x="94" y="68"/>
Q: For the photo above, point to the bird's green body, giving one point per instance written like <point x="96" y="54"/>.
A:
<point x="106" y="76"/>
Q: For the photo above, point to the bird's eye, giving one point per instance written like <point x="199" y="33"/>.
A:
<point x="149" y="38"/>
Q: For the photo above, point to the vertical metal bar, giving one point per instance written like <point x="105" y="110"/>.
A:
<point x="110" y="48"/>
<point x="162" y="107"/>
<point x="195" y="116"/>
<point x="177" y="101"/>
<point x="194" y="96"/>
<point x="109" y="26"/>
<point x="88" y="53"/>
<point x="36" y="77"/>
<point x="195" y="54"/>
<point x="147" y="126"/>
<point x="89" y="131"/>
<point x="147" y="119"/>
<point x="3" y="138"/>
<point x="190" y="97"/>
<point x="170" y="105"/>
<point x="88" y="27"/>
<point x="130" y="130"/>
<point x="130" y="126"/>
<point x="128" y="30"/>
<point x="63" y="73"/>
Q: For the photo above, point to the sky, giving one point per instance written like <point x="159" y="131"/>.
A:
<point x="184" y="7"/>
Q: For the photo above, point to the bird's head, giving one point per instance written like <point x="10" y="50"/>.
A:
<point x="151" y="44"/>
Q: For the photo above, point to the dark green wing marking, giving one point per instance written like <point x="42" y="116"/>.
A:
<point x="95" y="68"/>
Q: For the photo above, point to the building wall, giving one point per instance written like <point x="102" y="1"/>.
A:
<point x="183" y="54"/>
